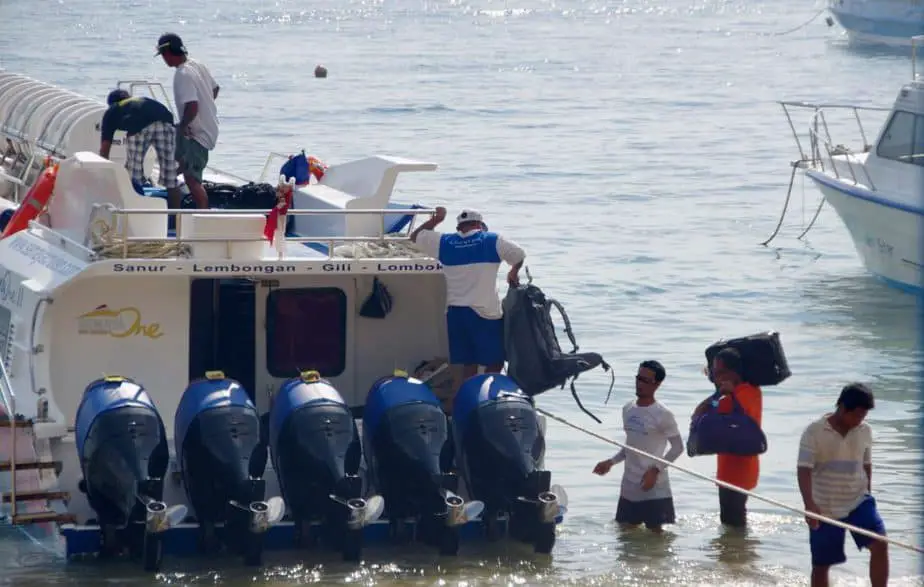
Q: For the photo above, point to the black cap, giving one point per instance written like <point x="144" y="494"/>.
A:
<point x="171" y="41"/>
<point x="117" y="96"/>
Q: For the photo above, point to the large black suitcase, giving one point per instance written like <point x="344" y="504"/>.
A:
<point x="762" y="354"/>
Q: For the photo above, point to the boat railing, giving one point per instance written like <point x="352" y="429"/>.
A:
<point x="915" y="42"/>
<point x="821" y="148"/>
<point x="272" y="156"/>
<point x="155" y="89"/>
<point x="117" y="240"/>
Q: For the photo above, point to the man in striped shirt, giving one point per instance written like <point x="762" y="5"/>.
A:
<point x="835" y="471"/>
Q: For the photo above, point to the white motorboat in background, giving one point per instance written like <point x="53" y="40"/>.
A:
<point x="883" y="22"/>
<point x="876" y="188"/>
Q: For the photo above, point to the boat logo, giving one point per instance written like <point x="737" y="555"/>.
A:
<point x="122" y="323"/>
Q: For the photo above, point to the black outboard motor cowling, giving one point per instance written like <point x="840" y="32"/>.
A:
<point x="223" y="458"/>
<point x="316" y="454"/>
<point x="122" y="447"/>
<point x="406" y="442"/>
<point x="500" y="447"/>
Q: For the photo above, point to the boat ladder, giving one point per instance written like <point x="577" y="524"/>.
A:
<point x="14" y="427"/>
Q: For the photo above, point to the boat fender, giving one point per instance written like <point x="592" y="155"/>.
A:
<point x="34" y="203"/>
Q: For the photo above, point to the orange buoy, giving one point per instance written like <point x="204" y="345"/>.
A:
<point x="35" y="202"/>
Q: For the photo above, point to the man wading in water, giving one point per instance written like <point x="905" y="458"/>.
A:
<point x="835" y="478"/>
<point x="645" y="496"/>
<point x="728" y="373"/>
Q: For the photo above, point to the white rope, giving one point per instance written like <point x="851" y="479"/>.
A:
<point x="796" y="510"/>
<point x="377" y="250"/>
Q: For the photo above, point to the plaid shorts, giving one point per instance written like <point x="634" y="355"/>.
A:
<point x="163" y="138"/>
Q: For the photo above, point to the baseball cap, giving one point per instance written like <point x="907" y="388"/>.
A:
<point x="117" y="96"/>
<point x="170" y="41"/>
<point x="469" y="215"/>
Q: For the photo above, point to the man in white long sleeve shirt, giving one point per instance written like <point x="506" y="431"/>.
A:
<point x="645" y="496"/>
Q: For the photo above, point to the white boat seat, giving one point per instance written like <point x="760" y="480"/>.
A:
<point x="87" y="179"/>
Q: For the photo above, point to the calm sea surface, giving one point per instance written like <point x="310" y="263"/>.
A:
<point x="635" y="149"/>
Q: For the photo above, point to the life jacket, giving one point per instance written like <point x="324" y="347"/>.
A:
<point x="734" y="433"/>
<point x="534" y="357"/>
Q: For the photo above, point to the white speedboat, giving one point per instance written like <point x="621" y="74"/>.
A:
<point x="879" y="22"/>
<point x="876" y="188"/>
<point x="177" y="391"/>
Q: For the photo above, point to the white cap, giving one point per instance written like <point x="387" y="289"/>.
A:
<point x="469" y="215"/>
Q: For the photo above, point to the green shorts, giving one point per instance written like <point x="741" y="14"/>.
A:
<point x="191" y="156"/>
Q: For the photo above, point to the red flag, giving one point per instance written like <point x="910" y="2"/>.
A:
<point x="283" y="203"/>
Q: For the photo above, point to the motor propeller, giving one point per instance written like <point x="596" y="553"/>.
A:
<point x="263" y="514"/>
<point x="458" y="511"/>
<point x="362" y="511"/>
<point x="160" y="518"/>
<point x="555" y="495"/>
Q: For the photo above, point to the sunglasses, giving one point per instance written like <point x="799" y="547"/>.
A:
<point x="641" y="379"/>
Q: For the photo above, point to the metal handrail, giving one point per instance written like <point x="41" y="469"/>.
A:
<point x="914" y="54"/>
<point x="817" y="106"/>
<point x="819" y="135"/>
<point x="830" y="147"/>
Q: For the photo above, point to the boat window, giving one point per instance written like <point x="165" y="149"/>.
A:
<point x="917" y="155"/>
<point x="898" y="139"/>
<point x="306" y="329"/>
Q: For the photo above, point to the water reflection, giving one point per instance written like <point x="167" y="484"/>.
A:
<point x="868" y="310"/>
<point x="735" y="547"/>
<point x="634" y="545"/>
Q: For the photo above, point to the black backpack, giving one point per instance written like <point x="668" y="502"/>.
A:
<point x="534" y="357"/>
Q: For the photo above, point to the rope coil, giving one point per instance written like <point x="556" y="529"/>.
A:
<point x="801" y="512"/>
<point x="108" y="244"/>
<point x="377" y="250"/>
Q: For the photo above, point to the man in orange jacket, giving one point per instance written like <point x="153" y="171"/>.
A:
<point x="743" y="472"/>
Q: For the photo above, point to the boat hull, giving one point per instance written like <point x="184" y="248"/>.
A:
<point x="886" y="235"/>
<point x="880" y="23"/>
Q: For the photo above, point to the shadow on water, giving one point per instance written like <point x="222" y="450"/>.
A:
<point x="869" y="51"/>
<point x="864" y="309"/>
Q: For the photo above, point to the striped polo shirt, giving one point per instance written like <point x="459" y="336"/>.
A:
<point x="470" y="264"/>
<point x="839" y="482"/>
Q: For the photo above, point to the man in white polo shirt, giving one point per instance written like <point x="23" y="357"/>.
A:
<point x="195" y="92"/>
<point x="471" y="257"/>
<point x="835" y="472"/>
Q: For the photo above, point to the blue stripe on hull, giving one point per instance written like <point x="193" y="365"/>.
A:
<point x="881" y="27"/>
<point x="869" y="196"/>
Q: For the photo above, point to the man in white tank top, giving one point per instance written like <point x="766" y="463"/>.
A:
<point x="195" y="92"/>
<point x="645" y="496"/>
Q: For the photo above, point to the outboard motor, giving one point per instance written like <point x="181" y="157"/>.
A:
<point x="122" y="447"/>
<point x="316" y="452"/>
<point x="499" y="447"/>
<point x="223" y="456"/>
<point x="406" y="442"/>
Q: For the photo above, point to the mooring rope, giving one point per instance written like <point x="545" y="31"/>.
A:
<point x="779" y="504"/>
<point x="801" y="26"/>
